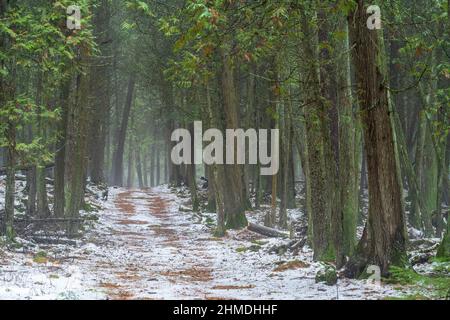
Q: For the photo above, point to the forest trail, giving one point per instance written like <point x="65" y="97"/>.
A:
<point x="144" y="247"/>
<point x="160" y="251"/>
<point x="148" y="249"/>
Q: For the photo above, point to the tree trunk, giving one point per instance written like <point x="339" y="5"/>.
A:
<point x="60" y="154"/>
<point x="145" y="169"/>
<point x="285" y="157"/>
<point x="31" y="181"/>
<point x="100" y="93"/>
<point x="130" y="166"/>
<point x="426" y="162"/>
<point x="139" y="166"/>
<point x="211" y="206"/>
<point x="235" y="194"/>
<point x="119" y="152"/>
<point x="384" y="238"/>
<point x="362" y="184"/>
<point x="166" y="167"/>
<point x="411" y="178"/>
<point x="331" y="139"/>
<point x="76" y="150"/>
<point x="190" y="173"/>
<point x="158" y="167"/>
<point x="290" y="192"/>
<point x="416" y="211"/>
<point x="7" y="93"/>
<point x="217" y="172"/>
<point x="41" y="193"/>
<point x="444" y="248"/>
<point x="41" y="188"/>
<point x="315" y="116"/>
<point x="10" y="180"/>
<point x="348" y="164"/>
<point x="152" y="166"/>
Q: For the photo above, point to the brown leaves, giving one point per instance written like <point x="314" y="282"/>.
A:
<point x="214" y="16"/>
<point x="207" y="50"/>
<point x="419" y="51"/>
<point x="231" y="287"/>
<point x="292" y="265"/>
<point x="191" y="274"/>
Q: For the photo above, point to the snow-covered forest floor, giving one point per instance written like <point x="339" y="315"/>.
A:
<point x="147" y="245"/>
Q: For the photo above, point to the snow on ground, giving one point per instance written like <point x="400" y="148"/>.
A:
<point x="144" y="247"/>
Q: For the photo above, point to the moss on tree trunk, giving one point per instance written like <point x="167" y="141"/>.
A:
<point x="384" y="238"/>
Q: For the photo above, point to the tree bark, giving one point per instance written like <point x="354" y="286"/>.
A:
<point x="158" y="166"/>
<point x="139" y="166"/>
<point x="384" y="238"/>
<point x="348" y="164"/>
<point x="119" y="152"/>
<point x="10" y="180"/>
<point x="100" y="94"/>
<point x="317" y="135"/>
<point x="130" y="166"/>
<point x="31" y="181"/>
<point x="7" y="93"/>
<point x="76" y="150"/>
<point x="60" y="154"/>
<point x="217" y="171"/>
<point x="145" y="169"/>
<point x="41" y="188"/>
<point x="234" y="188"/>
<point x="152" y="166"/>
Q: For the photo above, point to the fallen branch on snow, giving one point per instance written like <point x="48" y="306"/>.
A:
<point x="297" y="245"/>
<point x="423" y="255"/>
<point x="47" y="240"/>
<point x="52" y="220"/>
<point x="184" y="209"/>
<point x="266" y="231"/>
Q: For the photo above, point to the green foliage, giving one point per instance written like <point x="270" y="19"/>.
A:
<point x="236" y="222"/>
<point x="346" y="6"/>
<point x="241" y="249"/>
<point x="252" y="248"/>
<point x="40" y="45"/>
<point x="40" y="257"/>
<point x="140" y="6"/>
<point x="201" y="28"/>
<point x="426" y="52"/>
<point x="90" y="207"/>
<point x="443" y="252"/>
<point x="328" y="275"/>
<point x="438" y="285"/>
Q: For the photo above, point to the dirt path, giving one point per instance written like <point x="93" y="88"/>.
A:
<point x="146" y="249"/>
<point x="151" y="252"/>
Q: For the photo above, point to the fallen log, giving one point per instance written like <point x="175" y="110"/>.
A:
<point x="421" y="258"/>
<point x="266" y="231"/>
<point x="184" y="209"/>
<point x="45" y="220"/>
<point x="53" y="241"/>
<point x="423" y="255"/>
<point x="52" y="220"/>
<point x="414" y="244"/>
<point x="297" y="245"/>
